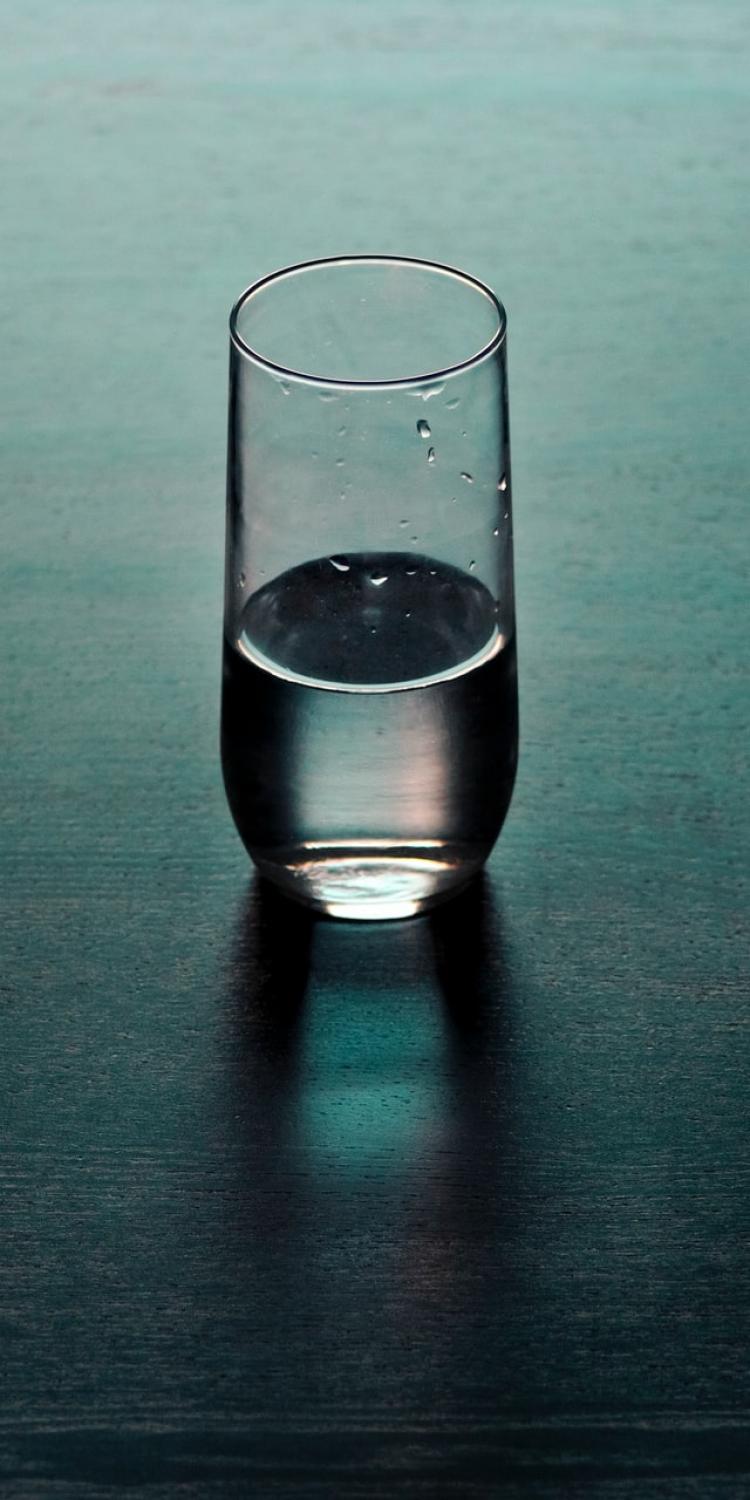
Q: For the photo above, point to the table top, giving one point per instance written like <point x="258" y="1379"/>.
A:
<point x="456" y="1206"/>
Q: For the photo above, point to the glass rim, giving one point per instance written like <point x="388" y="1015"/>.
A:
<point x="401" y="383"/>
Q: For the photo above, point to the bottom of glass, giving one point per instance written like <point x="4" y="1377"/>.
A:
<point x="361" y="886"/>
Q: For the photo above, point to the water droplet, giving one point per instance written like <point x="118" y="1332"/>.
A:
<point x="407" y="614"/>
<point x="432" y="390"/>
<point x="410" y="572"/>
<point x="341" y="564"/>
<point x="339" y="463"/>
<point x="452" y="404"/>
<point x="505" y="516"/>
<point x="463" y="432"/>
<point x="342" y="432"/>
<point x="342" y="494"/>
<point x="433" y="572"/>
<point x="423" y="428"/>
<point x="472" y="565"/>
<point x="314" y="452"/>
<point x="502" y="483"/>
<point x="328" y="396"/>
<point x="378" y="579"/>
<point x="413" y="538"/>
<point x="496" y="531"/>
<point x="430" y="455"/>
<point x="468" y="477"/>
<point x="373" y="630"/>
<point x="243" y="580"/>
<point x="404" y="523"/>
<point x="284" y="387"/>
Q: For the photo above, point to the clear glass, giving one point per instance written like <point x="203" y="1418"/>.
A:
<point x="369" y="713"/>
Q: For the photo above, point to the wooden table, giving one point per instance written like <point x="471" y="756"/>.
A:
<point x="459" y="1206"/>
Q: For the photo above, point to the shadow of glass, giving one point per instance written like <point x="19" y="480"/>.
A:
<point x="268" y="975"/>
<point x="372" y="1062"/>
<point x="373" y="1181"/>
<point x="476" y="979"/>
<point x="462" y="951"/>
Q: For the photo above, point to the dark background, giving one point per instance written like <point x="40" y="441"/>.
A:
<point x="449" y="1207"/>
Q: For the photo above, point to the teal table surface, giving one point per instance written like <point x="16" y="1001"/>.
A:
<point x="457" y="1206"/>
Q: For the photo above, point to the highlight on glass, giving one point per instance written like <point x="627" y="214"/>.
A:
<point x="369" y="710"/>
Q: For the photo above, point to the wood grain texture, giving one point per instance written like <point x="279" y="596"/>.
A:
<point x="457" y="1207"/>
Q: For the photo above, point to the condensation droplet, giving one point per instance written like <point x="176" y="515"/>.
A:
<point x="373" y="630"/>
<point x="342" y="432"/>
<point x="452" y="404"/>
<point x="378" y="579"/>
<point x="339" y="463"/>
<point x="502" y="483"/>
<point x="413" y="538"/>
<point x="506" y="514"/>
<point x="472" y="565"/>
<point x="243" y="580"/>
<point x="328" y="396"/>
<point x="430" y="455"/>
<point x="314" y="452"/>
<point x="404" y="523"/>
<point x="496" y="531"/>
<point x="341" y="564"/>
<point x="284" y="387"/>
<point x="410" y="572"/>
<point x="407" y="614"/>
<point x="433" y="572"/>
<point x="468" y="477"/>
<point x="423" y="428"/>
<point x="463" y="432"/>
<point x="432" y="390"/>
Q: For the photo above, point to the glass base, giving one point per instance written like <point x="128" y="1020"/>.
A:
<point x="368" y="886"/>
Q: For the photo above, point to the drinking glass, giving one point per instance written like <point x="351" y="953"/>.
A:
<point x="369" y="711"/>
